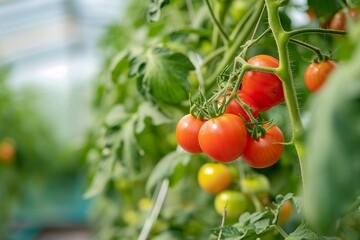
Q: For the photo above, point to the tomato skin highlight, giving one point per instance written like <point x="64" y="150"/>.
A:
<point x="264" y="151"/>
<point x="214" y="177"/>
<point x="235" y="108"/>
<point x="317" y="73"/>
<point x="223" y="138"/>
<point x="264" y="88"/>
<point x="187" y="131"/>
<point x="235" y="202"/>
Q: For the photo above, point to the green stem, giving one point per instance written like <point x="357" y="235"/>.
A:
<point x="212" y="55"/>
<point x="281" y="231"/>
<point x="285" y="74"/>
<point x="315" y="30"/>
<point x="218" y="26"/>
<point x="238" y="41"/>
<point x="308" y="46"/>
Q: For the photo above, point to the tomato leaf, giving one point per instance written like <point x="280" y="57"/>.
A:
<point x="116" y="116"/>
<point x="172" y="167"/>
<point x="163" y="74"/>
<point x="303" y="232"/>
<point x="149" y="110"/>
<point x="333" y="153"/>
<point x="119" y="65"/>
<point x="154" y="10"/>
<point x="227" y="232"/>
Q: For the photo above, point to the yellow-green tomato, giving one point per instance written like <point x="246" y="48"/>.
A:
<point x="214" y="177"/>
<point x="254" y="184"/>
<point x="239" y="8"/>
<point x="235" y="203"/>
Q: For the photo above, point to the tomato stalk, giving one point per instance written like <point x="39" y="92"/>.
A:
<point x="285" y="74"/>
<point x="315" y="30"/>
<point x="234" y="45"/>
<point x="320" y="56"/>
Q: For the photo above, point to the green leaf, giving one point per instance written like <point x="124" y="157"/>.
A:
<point x="172" y="167"/>
<point x="227" y="232"/>
<point x="119" y="65"/>
<point x="302" y="232"/>
<point x="116" y="116"/>
<point x="100" y="178"/>
<point x="154" y="10"/>
<point x="130" y="149"/>
<point x="163" y="74"/>
<point x="333" y="153"/>
<point x="149" y="110"/>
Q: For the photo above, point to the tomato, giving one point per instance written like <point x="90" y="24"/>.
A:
<point x="338" y="21"/>
<point x="235" y="108"/>
<point x="187" y="131"/>
<point x="256" y="183"/>
<point x="264" y="151"/>
<point x="239" y="8"/>
<point x="223" y="138"/>
<point x="317" y="73"/>
<point x="285" y="212"/>
<point x="214" y="177"/>
<point x="264" y="88"/>
<point x="7" y="150"/>
<point x="235" y="202"/>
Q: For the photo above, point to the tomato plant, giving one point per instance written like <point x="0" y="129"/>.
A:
<point x="264" y="88"/>
<point x="233" y="202"/>
<point x="195" y="59"/>
<point x="317" y="73"/>
<point x="214" y="177"/>
<point x="223" y="138"/>
<point x="187" y="131"/>
<point x="235" y="108"/>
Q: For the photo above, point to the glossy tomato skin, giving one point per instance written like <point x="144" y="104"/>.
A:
<point x="223" y="138"/>
<point x="264" y="88"/>
<point x="187" y="131"/>
<point x="236" y="203"/>
<point x="264" y="151"/>
<point x="235" y="108"/>
<point x="317" y="73"/>
<point x="214" y="177"/>
<point x="338" y="21"/>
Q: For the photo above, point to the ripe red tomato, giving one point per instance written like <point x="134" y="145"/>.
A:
<point x="317" y="73"/>
<point x="338" y="21"/>
<point x="214" y="177"/>
<point x="223" y="138"/>
<point x="264" y="151"/>
<point x="264" y="88"/>
<point x="235" y="108"/>
<point x="187" y="131"/>
<point x="235" y="202"/>
<point x="285" y="212"/>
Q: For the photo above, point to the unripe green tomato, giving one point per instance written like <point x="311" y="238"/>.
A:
<point x="235" y="203"/>
<point x="239" y="8"/>
<point x="255" y="184"/>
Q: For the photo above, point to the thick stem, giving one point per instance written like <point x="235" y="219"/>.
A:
<point x="238" y="41"/>
<point x="285" y="74"/>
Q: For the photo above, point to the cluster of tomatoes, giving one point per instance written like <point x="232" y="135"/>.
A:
<point x="218" y="179"/>
<point x="226" y="137"/>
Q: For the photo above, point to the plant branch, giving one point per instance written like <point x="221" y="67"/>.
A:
<point x="281" y="231"/>
<point x="218" y="26"/>
<point x="308" y="46"/>
<point x="315" y="30"/>
<point x="212" y="55"/>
